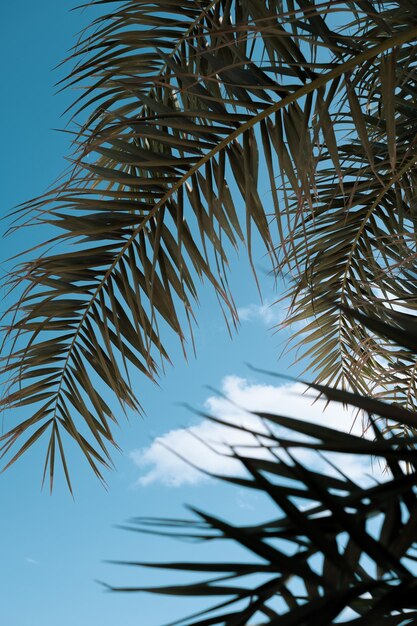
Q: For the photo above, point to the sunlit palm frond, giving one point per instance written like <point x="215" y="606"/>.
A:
<point x="184" y="106"/>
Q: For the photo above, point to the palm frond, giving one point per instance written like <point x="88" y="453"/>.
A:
<point x="356" y="245"/>
<point x="183" y="102"/>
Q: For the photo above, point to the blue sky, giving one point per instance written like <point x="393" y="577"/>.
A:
<point x="52" y="547"/>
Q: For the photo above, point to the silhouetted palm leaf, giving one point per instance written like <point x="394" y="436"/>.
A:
<point x="336" y="542"/>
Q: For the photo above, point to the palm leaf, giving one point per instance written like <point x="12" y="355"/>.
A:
<point x="180" y="101"/>
<point x="355" y="245"/>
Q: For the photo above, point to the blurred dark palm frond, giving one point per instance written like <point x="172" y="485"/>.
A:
<point x="183" y="107"/>
<point x="340" y="548"/>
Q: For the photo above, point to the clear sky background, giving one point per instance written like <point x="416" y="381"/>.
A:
<point x="52" y="548"/>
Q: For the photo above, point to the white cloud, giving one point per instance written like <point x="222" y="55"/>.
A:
<point x="272" y="314"/>
<point x="269" y="313"/>
<point x="199" y="443"/>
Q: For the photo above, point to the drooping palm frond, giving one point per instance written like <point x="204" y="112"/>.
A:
<point x="400" y="329"/>
<point x="336" y="543"/>
<point x="182" y="102"/>
<point x="356" y="247"/>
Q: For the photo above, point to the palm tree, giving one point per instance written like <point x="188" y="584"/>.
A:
<point x="181" y="104"/>
<point x="337" y="547"/>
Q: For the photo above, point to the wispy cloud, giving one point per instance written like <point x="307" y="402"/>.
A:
<point x="31" y="561"/>
<point x="269" y="313"/>
<point x="204" y="443"/>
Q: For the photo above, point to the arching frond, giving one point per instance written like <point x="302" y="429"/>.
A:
<point x="185" y="107"/>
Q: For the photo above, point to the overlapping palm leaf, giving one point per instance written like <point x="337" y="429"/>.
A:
<point x="336" y="543"/>
<point x="181" y="102"/>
